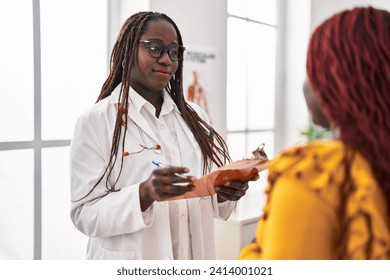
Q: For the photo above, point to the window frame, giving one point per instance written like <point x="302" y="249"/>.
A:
<point x="37" y="144"/>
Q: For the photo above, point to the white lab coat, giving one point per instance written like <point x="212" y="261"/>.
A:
<point x="115" y="224"/>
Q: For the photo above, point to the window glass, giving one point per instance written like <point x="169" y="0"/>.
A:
<point x="258" y="10"/>
<point x="257" y="138"/>
<point x="17" y="205"/>
<point x="262" y="11"/>
<point x="251" y="69"/>
<point x="16" y="71"/>
<point x="261" y="76"/>
<point x="238" y="8"/>
<point x="60" y="239"/>
<point x="237" y="145"/>
<point x="74" y="36"/>
<point x="236" y="75"/>
<point x="250" y="76"/>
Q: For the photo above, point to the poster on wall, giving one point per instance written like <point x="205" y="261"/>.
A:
<point x="200" y="78"/>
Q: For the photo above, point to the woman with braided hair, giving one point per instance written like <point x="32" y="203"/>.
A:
<point x="329" y="199"/>
<point x="120" y="199"/>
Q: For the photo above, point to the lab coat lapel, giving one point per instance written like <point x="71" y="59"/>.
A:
<point x="142" y="123"/>
<point x="134" y="115"/>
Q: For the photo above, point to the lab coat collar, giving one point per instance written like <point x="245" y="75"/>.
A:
<point x="136" y="104"/>
<point x="168" y="104"/>
<point x="134" y="112"/>
<point x="138" y="101"/>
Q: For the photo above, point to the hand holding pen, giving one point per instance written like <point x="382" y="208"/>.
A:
<point x="164" y="182"/>
<point x="160" y="164"/>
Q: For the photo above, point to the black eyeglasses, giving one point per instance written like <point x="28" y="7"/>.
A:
<point x="157" y="49"/>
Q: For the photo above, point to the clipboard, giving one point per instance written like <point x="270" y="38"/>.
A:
<point x="240" y="170"/>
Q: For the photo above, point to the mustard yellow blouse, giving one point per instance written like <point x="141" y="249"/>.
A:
<point x="323" y="202"/>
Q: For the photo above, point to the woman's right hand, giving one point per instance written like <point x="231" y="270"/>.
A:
<point x="164" y="183"/>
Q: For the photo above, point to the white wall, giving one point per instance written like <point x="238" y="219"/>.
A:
<point x="297" y="28"/>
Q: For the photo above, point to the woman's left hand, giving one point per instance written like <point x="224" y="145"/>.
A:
<point x="233" y="190"/>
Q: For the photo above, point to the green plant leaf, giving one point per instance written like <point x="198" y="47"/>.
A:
<point x="313" y="132"/>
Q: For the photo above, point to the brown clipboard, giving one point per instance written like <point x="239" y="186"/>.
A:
<point x="241" y="170"/>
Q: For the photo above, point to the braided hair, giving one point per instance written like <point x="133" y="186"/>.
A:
<point x="348" y="65"/>
<point x="121" y="64"/>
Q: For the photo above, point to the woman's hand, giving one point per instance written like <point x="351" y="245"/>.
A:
<point x="234" y="190"/>
<point x="163" y="183"/>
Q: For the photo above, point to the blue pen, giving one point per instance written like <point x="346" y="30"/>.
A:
<point x="160" y="164"/>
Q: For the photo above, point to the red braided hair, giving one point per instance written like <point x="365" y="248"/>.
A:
<point x="348" y="66"/>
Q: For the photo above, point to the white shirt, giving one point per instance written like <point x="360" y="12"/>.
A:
<point x="165" y="129"/>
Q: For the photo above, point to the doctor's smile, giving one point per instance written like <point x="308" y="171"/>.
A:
<point x="162" y="73"/>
